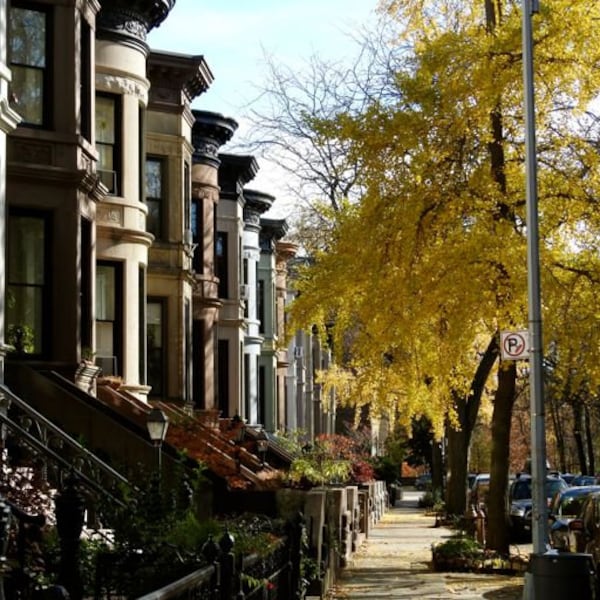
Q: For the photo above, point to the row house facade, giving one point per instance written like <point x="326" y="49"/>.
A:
<point x="129" y="235"/>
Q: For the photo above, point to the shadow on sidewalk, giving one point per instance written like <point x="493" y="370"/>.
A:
<point x="395" y="563"/>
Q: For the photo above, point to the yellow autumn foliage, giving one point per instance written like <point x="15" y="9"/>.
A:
<point x="433" y="260"/>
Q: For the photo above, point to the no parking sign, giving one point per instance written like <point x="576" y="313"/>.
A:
<point x="514" y="345"/>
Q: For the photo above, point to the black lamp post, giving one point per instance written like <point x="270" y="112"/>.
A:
<point x="239" y="432"/>
<point x="262" y="445"/>
<point x="157" y="423"/>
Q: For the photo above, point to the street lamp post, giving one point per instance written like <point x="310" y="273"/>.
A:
<point x="262" y="445"/>
<point x="539" y="525"/>
<point x="239" y="433"/>
<point x="157" y="423"/>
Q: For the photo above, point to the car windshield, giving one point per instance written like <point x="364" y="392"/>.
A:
<point x="554" y="486"/>
<point x="570" y="506"/>
<point x="522" y="488"/>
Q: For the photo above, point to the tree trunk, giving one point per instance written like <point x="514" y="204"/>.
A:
<point x="553" y="405"/>
<point x="457" y="464"/>
<point x="498" y="534"/>
<point x="459" y="440"/>
<point x="437" y="469"/>
<point x="589" y="441"/>
<point x="578" y="437"/>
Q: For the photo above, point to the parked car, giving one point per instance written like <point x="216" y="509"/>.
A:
<point x="479" y="490"/>
<point x="521" y="503"/>
<point x="584" y="480"/>
<point x="568" y="477"/>
<point x="564" y="507"/>
<point x="585" y="529"/>
<point x="423" y="482"/>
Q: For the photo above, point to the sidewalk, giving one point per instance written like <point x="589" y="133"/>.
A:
<point x="394" y="563"/>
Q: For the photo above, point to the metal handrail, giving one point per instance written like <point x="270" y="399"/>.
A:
<point x="43" y="448"/>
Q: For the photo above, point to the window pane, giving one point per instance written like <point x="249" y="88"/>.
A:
<point x="26" y="250"/>
<point x="27" y="92"/>
<point x="154" y="325"/>
<point x="153" y="218"/>
<point x="105" y="338"/>
<point x="24" y="318"/>
<point x="105" y="293"/>
<point x="194" y="223"/>
<point x="153" y="179"/>
<point x="106" y="159"/>
<point x="27" y="37"/>
<point x="105" y="120"/>
<point x="155" y="347"/>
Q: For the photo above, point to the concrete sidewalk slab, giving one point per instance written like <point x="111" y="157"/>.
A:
<point x="395" y="563"/>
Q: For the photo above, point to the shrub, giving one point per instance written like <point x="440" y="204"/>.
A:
<point x="459" y="546"/>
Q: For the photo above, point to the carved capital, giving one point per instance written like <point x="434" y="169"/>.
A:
<point x="131" y="21"/>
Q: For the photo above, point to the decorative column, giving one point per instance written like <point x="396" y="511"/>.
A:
<point x="122" y="238"/>
<point x="256" y="204"/>
<point x="209" y="132"/>
<point x="273" y="361"/>
<point x="284" y="252"/>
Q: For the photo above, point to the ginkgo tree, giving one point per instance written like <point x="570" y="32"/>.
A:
<point x="422" y="274"/>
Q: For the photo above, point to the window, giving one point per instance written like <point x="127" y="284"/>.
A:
<point x="143" y="320"/>
<point x="29" y="61"/>
<point x="186" y="197"/>
<point x="221" y="263"/>
<point x="197" y="227"/>
<point x="109" y="287"/>
<point x="223" y="377"/>
<point x="85" y="76"/>
<point x="261" y="307"/>
<point x="155" y="189"/>
<point x="26" y="285"/>
<point x="155" y="346"/>
<point x="108" y="140"/>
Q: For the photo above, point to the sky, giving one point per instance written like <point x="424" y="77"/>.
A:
<point x="235" y="35"/>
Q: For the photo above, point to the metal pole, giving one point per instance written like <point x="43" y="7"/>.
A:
<point x="538" y="435"/>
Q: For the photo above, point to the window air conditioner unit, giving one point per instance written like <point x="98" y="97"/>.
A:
<point x="244" y="291"/>
<point x="188" y="238"/>
<point x="109" y="179"/>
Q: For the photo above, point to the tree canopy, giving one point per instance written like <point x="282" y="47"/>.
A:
<point x="431" y="262"/>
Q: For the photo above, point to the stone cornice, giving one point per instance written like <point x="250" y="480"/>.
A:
<point x="235" y="171"/>
<point x="271" y="230"/>
<point x="133" y="236"/>
<point x="257" y="203"/>
<point x="286" y="250"/>
<point x="130" y="21"/>
<point x="175" y="75"/>
<point x="209" y="132"/>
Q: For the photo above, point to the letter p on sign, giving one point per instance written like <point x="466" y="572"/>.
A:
<point x="514" y="345"/>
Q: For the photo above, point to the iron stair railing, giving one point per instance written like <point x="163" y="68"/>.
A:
<point x="43" y="437"/>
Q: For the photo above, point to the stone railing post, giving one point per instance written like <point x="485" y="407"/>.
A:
<point x="69" y="510"/>
<point x="227" y="566"/>
<point x="211" y="551"/>
<point x="5" y="519"/>
<point x="298" y="547"/>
